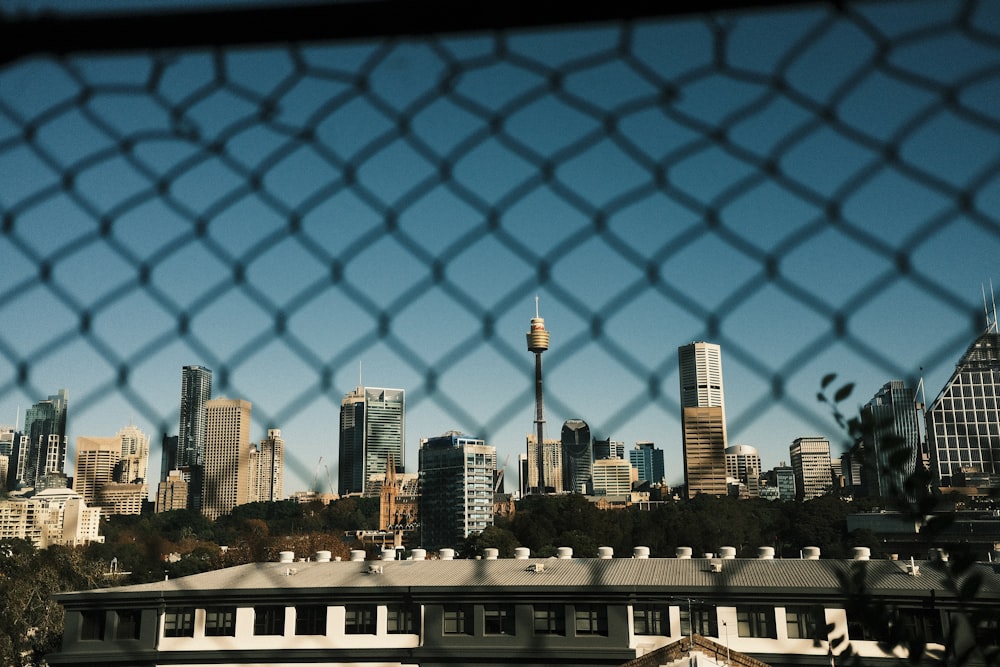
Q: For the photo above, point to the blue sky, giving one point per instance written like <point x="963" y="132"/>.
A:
<point x="750" y="179"/>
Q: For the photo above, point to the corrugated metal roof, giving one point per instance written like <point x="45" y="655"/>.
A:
<point x="665" y="575"/>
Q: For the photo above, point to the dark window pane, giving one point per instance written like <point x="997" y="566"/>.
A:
<point x="178" y="622"/>
<point x="269" y="620"/>
<point x="310" y="619"/>
<point x="359" y="619"/>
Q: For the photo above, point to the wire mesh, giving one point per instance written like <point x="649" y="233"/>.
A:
<point x="814" y="188"/>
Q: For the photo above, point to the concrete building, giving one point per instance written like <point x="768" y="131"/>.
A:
<point x="963" y="422"/>
<point x="227" y="476"/>
<point x="372" y="431"/>
<point x="120" y="461"/>
<point x="524" y="612"/>
<point x="96" y="459"/>
<point x="743" y="465"/>
<point x="172" y="493"/>
<point x="608" y="449"/>
<point x="267" y="468"/>
<point x="612" y="477"/>
<point x="551" y="464"/>
<point x="577" y="455"/>
<point x="810" y="457"/>
<point x="456" y="488"/>
<point x="52" y="516"/>
<point x="703" y="418"/>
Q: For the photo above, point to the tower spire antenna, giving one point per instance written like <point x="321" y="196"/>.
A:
<point x="538" y="342"/>
<point x="994" y="301"/>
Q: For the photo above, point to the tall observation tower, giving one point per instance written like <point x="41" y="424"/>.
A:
<point x="538" y="342"/>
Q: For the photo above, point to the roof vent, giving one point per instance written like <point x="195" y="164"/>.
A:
<point x="810" y="553"/>
<point x="389" y="554"/>
<point x="375" y="569"/>
<point x="446" y="554"/>
<point x="535" y="567"/>
<point x="323" y="556"/>
<point x="727" y="553"/>
<point x="491" y="553"/>
<point x="861" y="553"/>
<point x="765" y="553"/>
<point x="522" y="553"/>
<point x="565" y="553"/>
<point x="358" y="554"/>
<point x="286" y="557"/>
<point x="715" y="565"/>
<point x="642" y="553"/>
<point x="605" y="553"/>
<point x="418" y="554"/>
<point x="683" y="552"/>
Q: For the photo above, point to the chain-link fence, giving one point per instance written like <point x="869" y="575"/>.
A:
<point x="813" y="187"/>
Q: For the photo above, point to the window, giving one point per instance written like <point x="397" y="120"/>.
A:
<point x="401" y="619"/>
<point x="922" y="624"/>
<point x="269" y="620"/>
<point x="92" y="625"/>
<point x="457" y="619"/>
<point x="178" y="622"/>
<point x="805" y="622"/>
<point x="498" y="619"/>
<point x="591" y="619"/>
<point x="650" y="619"/>
<point x="310" y="619"/>
<point x="220" y="622"/>
<point x="550" y="619"/>
<point x="700" y="620"/>
<point x="857" y="628"/>
<point x="127" y="623"/>
<point x="359" y="619"/>
<point x="756" y="621"/>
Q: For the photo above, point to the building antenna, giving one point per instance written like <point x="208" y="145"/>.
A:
<point x="538" y="342"/>
<point x="994" y="300"/>
<point x="360" y="382"/>
<point x="17" y="417"/>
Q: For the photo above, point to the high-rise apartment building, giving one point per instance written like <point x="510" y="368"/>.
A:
<point x="372" y="433"/>
<point x="963" y="422"/>
<point x="267" y="468"/>
<point x="134" y="465"/>
<point x="703" y="418"/>
<point x="551" y="465"/>
<point x="42" y="449"/>
<point x="810" y="457"/>
<point x="196" y="389"/>
<point x="456" y="488"/>
<point x="577" y="455"/>
<point x="891" y="439"/>
<point x="226" y="481"/>
<point x="648" y="462"/>
<point x="743" y="465"/>
<point x="111" y="472"/>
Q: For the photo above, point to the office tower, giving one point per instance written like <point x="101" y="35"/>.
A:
<point x="608" y="449"/>
<point x="43" y="442"/>
<point x="538" y="342"/>
<point x="549" y="461"/>
<point x="110" y="472"/>
<point x="10" y="442"/>
<point x="743" y="465"/>
<point x="226" y="481"/>
<point x="522" y="475"/>
<point x="782" y="478"/>
<point x="371" y="433"/>
<point x="648" y="462"/>
<point x="703" y="418"/>
<point x="456" y="489"/>
<point x="96" y="459"/>
<point x="168" y="455"/>
<point x="577" y="455"/>
<point x="963" y="422"/>
<point x="267" y="468"/>
<point x="172" y="493"/>
<point x="196" y="389"/>
<point x="612" y="477"/>
<point x="890" y="439"/>
<point x="134" y="464"/>
<point x="812" y="466"/>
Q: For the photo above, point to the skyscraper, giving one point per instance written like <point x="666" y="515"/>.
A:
<point x="743" y="465"/>
<point x="703" y="418"/>
<point x="963" y="422"/>
<point x="226" y="481"/>
<point x="891" y="439"/>
<point x="546" y="460"/>
<point x="111" y="472"/>
<point x="456" y="488"/>
<point x="648" y="462"/>
<point x="371" y="433"/>
<point x="267" y="468"/>
<point x="811" y="463"/>
<point x="196" y="389"/>
<point x="577" y="456"/>
<point x="42" y="448"/>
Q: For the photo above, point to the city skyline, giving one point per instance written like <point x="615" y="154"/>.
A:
<point x="813" y="190"/>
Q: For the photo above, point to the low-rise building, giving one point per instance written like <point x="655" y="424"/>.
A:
<point x="52" y="516"/>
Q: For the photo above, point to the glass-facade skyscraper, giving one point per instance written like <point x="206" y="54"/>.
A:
<point x="42" y="447"/>
<point x="577" y="456"/>
<point x="196" y="388"/>
<point x="963" y="422"/>
<point x="648" y="462"/>
<point x="891" y="439"/>
<point x="703" y="418"/>
<point x="371" y="434"/>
